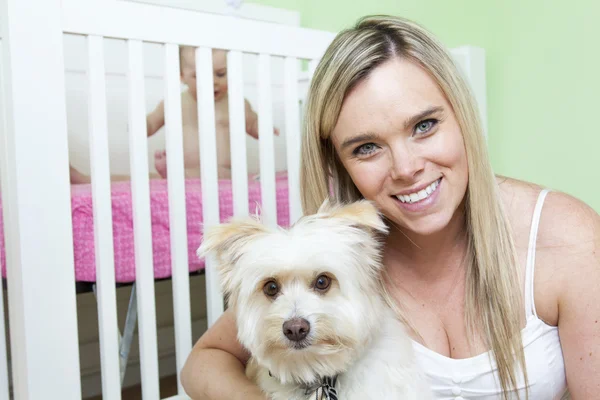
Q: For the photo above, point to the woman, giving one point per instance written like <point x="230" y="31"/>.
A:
<point x="390" y="119"/>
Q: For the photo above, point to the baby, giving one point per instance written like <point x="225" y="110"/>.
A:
<point x="156" y="119"/>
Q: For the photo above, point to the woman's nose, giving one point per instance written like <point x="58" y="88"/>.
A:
<point x="407" y="164"/>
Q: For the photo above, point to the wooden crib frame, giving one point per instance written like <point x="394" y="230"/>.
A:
<point x="40" y="265"/>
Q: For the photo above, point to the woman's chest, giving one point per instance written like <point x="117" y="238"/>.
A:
<point x="476" y="377"/>
<point x="439" y="319"/>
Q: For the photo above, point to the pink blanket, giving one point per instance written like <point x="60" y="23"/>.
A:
<point x="83" y="225"/>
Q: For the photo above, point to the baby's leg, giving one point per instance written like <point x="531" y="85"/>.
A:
<point x="160" y="163"/>
<point x="120" y="178"/>
<point x="78" y="177"/>
<point x="224" y="172"/>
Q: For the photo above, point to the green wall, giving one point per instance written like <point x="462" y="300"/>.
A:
<point x="543" y="73"/>
<point x="544" y="85"/>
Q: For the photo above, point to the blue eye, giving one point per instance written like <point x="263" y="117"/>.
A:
<point x="425" y="126"/>
<point x="365" y="149"/>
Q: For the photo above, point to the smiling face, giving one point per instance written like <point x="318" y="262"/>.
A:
<point x="399" y="140"/>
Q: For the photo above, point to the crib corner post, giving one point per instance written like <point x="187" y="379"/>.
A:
<point x="37" y="203"/>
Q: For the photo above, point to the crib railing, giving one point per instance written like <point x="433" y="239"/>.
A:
<point x="103" y="235"/>
<point x="39" y="238"/>
<point x="36" y="204"/>
<point x="4" y="380"/>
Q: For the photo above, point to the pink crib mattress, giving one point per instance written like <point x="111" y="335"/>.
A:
<point x="83" y="225"/>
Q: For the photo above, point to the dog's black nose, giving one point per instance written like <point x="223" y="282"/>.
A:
<point x="296" y="329"/>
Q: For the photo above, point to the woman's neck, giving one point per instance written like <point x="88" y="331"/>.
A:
<point x="428" y="257"/>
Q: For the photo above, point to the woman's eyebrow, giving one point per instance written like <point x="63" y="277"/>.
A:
<point x="357" y="139"/>
<point x="423" y="114"/>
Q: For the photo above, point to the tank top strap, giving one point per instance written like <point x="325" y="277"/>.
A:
<point x="530" y="266"/>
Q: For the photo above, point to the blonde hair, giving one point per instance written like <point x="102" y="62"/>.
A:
<point x="492" y="279"/>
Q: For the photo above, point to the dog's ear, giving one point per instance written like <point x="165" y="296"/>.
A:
<point x="227" y="241"/>
<point x="361" y="213"/>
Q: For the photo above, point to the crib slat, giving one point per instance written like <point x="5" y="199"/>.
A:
<point x="4" y="393"/>
<point x="4" y="381"/>
<point x="292" y="128"/>
<point x="237" y="129"/>
<point x="141" y="223"/>
<point x="265" y="143"/>
<point x="103" y="232"/>
<point x="177" y="209"/>
<point x="208" y="176"/>
<point x="36" y="203"/>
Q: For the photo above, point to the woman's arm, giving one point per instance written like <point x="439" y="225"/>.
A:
<point x="215" y="368"/>
<point x="575" y="228"/>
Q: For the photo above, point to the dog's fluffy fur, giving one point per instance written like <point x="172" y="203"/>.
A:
<point x="353" y="333"/>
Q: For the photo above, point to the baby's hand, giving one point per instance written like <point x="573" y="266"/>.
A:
<point x="276" y="131"/>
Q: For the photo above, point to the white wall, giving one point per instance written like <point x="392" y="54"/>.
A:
<point x="237" y="8"/>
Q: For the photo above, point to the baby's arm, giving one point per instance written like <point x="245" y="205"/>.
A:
<point x="156" y="119"/>
<point x="252" y="121"/>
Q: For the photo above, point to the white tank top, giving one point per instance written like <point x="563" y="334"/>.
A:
<point x="476" y="377"/>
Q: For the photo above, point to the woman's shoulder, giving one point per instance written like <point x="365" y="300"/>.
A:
<point x="565" y="222"/>
<point x="567" y="247"/>
<point x="519" y="199"/>
<point x="567" y="278"/>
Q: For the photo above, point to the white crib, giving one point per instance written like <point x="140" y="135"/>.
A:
<point x="36" y="194"/>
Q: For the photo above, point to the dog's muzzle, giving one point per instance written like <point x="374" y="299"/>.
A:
<point x="296" y="329"/>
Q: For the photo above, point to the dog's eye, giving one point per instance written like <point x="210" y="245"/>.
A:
<point x="271" y="288"/>
<point x="322" y="283"/>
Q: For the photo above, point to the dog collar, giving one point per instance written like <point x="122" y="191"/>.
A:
<point x="324" y="389"/>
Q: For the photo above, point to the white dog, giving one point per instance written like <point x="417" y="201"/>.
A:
<point x="309" y="307"/>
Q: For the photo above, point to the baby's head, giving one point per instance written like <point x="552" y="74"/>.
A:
<point x="187" y="61"/>
<point x="307" y="300"/>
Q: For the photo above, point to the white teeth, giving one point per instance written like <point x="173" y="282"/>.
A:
<point x="420" y="195"/>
